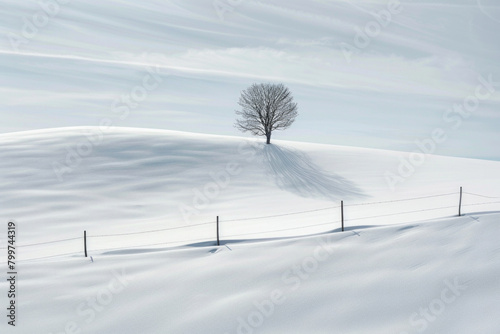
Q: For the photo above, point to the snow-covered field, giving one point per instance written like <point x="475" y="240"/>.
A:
<point x="94" y="96"/>
<point x="406" y="262"/>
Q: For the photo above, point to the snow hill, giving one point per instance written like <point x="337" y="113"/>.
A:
<point x="366" y="73"/>
<point x="148" y="200"/>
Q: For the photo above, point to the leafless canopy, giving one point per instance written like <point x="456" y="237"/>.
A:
<point x="264" y="108"/>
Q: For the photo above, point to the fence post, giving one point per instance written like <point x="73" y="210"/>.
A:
<point x="85" y="242"/>
<point x="218" y="242"/>
<point x="342" y="214"/>
<point x="460" y="203"/>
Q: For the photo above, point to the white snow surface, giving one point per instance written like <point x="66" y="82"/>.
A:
<point x="406" y="262"/>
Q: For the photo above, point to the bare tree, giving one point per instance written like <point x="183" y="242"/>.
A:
<point x="264" y="108"/>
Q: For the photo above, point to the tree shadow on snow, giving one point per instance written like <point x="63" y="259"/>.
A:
<point x="294" y="171"/>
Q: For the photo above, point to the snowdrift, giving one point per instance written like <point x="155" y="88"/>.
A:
<point x="148" y="199"/>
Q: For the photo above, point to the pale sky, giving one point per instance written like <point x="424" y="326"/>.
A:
<point x="385" y="80"/>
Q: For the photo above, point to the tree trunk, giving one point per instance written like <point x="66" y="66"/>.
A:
<point x="268" y="136"/>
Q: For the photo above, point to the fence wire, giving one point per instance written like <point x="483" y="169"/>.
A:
<point x="191" y="241"/>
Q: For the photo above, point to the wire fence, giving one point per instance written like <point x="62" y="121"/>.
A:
<point x="229" y="224"/>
